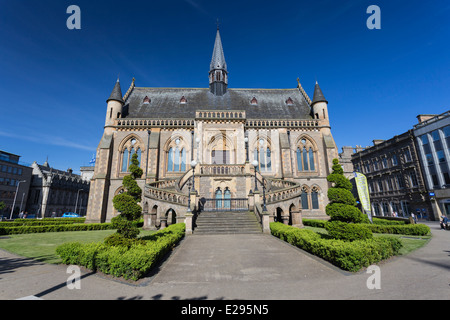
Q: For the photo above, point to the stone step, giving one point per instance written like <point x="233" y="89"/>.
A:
<point x="226" y="223"/>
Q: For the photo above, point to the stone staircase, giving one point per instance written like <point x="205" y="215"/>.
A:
<point x="227" y="223"/>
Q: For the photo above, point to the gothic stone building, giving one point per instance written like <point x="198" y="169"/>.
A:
<point x="198" y="146"/>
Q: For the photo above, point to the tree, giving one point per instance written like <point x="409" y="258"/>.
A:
<point x="127" y="203"/>
<point x="342" y="208"/>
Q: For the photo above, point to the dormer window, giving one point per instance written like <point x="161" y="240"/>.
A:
<point x="183" y="100"/>
<point x="146" y="100"/>
<point x="289" y="101"/>
<point x="254" y="101"/>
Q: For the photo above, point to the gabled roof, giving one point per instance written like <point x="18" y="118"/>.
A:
<point x="165" y="103"/>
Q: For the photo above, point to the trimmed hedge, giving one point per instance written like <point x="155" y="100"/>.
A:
<point x="41" y="222"/>
<point x="129" y="262"/>
<point x="394" y="227"/>
<point x="406" y="229"/>
<point x="348" y="231"/>
<point x="54" y="228"/>
<point x="351" y="256"/>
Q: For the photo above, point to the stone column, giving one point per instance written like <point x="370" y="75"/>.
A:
<point x="188" y="221"/>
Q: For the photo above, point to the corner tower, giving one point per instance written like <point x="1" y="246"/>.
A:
<point x="218" y="73"/>
<point x="114" y="105"/>
<point x="319" y="104"/>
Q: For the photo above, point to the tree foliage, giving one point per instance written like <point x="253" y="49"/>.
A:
<point x="127" y="203"/>
<point x="342" y="208"/>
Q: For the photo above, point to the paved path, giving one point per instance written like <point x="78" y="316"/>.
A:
<point x="241" y="267"/>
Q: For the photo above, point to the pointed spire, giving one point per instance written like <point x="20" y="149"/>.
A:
<point x="116" y="94"/>
<point x="318" y="95"/>
<point x="218" y="58"/>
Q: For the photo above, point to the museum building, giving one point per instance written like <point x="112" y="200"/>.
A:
<point x="218" y="148"/>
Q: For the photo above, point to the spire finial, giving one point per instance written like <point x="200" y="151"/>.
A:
<point x="217" y="22"/>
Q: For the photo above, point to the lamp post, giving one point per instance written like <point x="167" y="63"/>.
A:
<point x="246" y="148"/>
<point x="193" y="165"/>
<point x="255" y="164"/>
<point x="15" y="196"/>
<point x="76" y="203"/>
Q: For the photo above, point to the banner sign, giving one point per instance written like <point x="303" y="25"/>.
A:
<point x="363" y="193"/>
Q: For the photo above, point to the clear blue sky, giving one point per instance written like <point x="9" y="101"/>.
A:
<point x="54" y="82"/>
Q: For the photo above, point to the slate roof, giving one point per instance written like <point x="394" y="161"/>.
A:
<point x="165" y="103"/>
<point x="218" y="58"/>
<point x="318" y="95"/>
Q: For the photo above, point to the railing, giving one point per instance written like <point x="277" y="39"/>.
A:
<point x="153" y="190"/>
<point x="222" y="169"/>
<point x="236" y="204"/>
<point x="162" y="123"/>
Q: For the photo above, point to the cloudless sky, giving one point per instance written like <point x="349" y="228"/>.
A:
<point x="54" y="82"/>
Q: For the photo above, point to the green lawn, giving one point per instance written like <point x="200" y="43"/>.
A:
<point x="42" y="246"/>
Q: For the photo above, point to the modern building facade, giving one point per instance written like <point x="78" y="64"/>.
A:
<point x="395" y="180"/>
<point x="15" y="180"/>
<point x="196" y="147"/>
<point x="432" y="135"/>
<point x="54" y="192"/>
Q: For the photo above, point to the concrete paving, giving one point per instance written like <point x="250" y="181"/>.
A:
<point x="248" y="267"/>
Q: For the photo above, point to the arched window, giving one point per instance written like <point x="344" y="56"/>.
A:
<point x="176" y="160"/>
<point x="125" y="161"/>
<point x="227" y="197"/>
<point x="263" y="155"/>
<point x="176" y="163"/>
<point x="305" y="156"/>
<point x="183" y="160"/>
<point x="131" y="147"/>
<point x="311" y="160"/>
<point x="299" y="160"/>
<point x="218" y="198"/>
<point x="304" y="198"/>
<point x="305" y="160"/>
<point x="170" y="160"/>
<point x="315" y="198"/>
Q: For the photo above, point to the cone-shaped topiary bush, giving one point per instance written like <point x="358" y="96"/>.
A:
<point x="127" y="203"/>
<point x="342" y="208"/>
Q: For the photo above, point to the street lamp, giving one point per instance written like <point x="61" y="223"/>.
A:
<point x="246" y="148"/>
<point x="193" y="165"/>
<point x="255" y="164"/>
<point x="76" y="203"/>
<point x="15" y="196"/>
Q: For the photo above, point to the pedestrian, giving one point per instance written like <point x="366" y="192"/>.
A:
<point x="21" y="215"/>
<point x="443" y="222"/>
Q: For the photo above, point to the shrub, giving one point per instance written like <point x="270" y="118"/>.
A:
<point x="54" y="228"/>
<point x="351" y="256"/>
<point x="127" y="202"/>
<point x="407" y="229"/>
<point x="122" y="257"/>
<point x="348" y="231"/>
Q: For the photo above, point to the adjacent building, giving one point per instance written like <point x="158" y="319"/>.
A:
<point x="15" y="179"/>
<point x="396" y="184"/>
<point x="432" y="135"/>
<point x="54" y="192"/>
